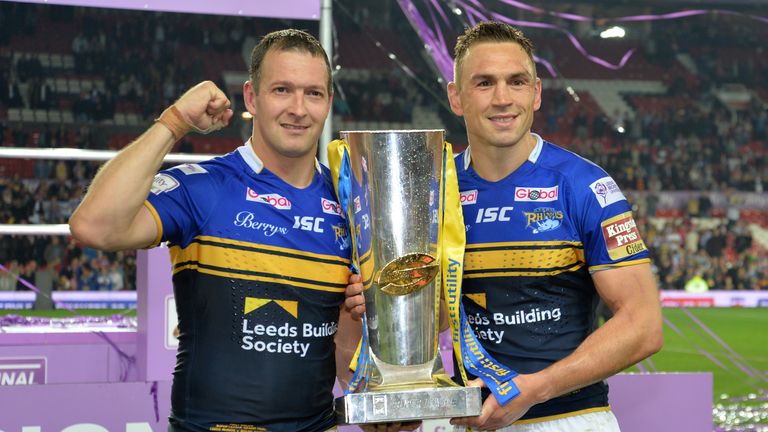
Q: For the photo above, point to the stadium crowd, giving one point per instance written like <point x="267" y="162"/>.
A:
<point x="694" y="144"/>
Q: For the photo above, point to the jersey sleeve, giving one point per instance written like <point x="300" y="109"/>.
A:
<point x="608" y="230"/>
<point x="181" y="199"/>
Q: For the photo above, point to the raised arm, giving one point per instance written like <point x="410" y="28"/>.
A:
<point x="632" y="334"/>
<point x="112" y="215"/>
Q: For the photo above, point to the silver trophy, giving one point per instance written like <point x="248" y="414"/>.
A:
<point x="395" y="214"/>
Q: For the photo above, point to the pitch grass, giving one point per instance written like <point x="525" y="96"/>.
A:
<point x="743" y="330"/>
<point x="738" y="361"/>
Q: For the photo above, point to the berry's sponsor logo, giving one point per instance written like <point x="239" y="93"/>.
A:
<point x="468" y="197"/>
<point x="246" y="219"/>
<point x="537" y="194"/>
<point x="277" y="201"/>
<point x="606" y="191"/>
<point x="622" y="238"/>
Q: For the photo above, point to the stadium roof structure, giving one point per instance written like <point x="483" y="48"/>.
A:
<point x="291" y="9"/>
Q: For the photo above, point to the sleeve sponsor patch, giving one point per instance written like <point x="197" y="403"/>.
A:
<point x="189" y="169"/>
<point x="163" y="183"/>
<point x="621" y="236"/>
<point x="606" y="191"/>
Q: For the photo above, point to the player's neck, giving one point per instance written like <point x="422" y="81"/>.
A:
<point x="296" y="171"/>
<point x="493" y="163"/>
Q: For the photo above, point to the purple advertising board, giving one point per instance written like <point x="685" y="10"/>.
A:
<point x="642" y="402"/>
<point x="120" y="381"/>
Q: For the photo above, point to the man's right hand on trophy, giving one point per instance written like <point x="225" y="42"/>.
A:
<point x="355" y="305"/>
<point x="355" y="302"/>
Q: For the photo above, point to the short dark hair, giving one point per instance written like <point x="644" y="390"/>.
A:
<point x="287" y="40"/>
<point x="489" y="31"/>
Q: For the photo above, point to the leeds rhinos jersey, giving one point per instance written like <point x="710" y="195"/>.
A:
<point x="533" y="238"/>
<point x="259" y="271"/>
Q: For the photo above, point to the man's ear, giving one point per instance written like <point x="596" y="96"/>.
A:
<point x="249" y="97"/>
<point x="455" y="99"/>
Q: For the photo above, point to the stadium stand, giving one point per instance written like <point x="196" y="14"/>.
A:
<point x="689" y="150"/>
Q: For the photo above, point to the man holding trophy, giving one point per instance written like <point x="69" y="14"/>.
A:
<point x="259" y="247"/>
<point x="547" y="235"/>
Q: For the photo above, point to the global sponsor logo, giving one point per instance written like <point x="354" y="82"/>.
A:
<point x="358" y="207"/>
<point x="468" y="197"/>
<point x="606" y="191"/>
<point x="331" y="207"/>
<point x="537" y="194"/>
<point x="19" y="371"/>
<point x="543" y="219"/>
<point x="277" y="201"/>
<point x="163" y="183"/>
<point x="622" y="238"/>
<point x="246" y="219"/>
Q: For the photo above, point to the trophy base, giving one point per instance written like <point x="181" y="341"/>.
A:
<point x="407" y="405"/>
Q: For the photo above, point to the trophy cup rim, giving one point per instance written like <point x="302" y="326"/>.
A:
<point x="387" y="131"/>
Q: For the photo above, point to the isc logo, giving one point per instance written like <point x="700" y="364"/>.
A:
<point x="308" y="223"/>
<point x="493" y="214"/>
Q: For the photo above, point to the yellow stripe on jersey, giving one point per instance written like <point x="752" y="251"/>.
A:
<point x="522" y="259"/>
<point x="366" y="268"/>
<point x="252" y="261"/>
<point x="619" y="264"/>
<point x="158" y="223"/>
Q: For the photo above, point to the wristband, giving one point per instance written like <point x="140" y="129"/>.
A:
<point x="174" y="121"/>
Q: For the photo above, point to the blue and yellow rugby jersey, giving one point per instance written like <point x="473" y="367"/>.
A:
<point x="533" y="238"/>
<point x="259" y="272"/>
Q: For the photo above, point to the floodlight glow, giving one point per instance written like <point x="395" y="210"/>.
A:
<point x="613" y="32"/>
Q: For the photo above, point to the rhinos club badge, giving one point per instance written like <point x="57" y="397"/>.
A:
<point x="543" y="219"/>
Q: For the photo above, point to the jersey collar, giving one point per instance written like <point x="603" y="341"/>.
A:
<point x="252" y="159"/>
<point x="532" y="158"/>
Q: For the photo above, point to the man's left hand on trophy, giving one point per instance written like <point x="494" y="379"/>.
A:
<point x="355" y="305"/>
<point x="355" y="302"/>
